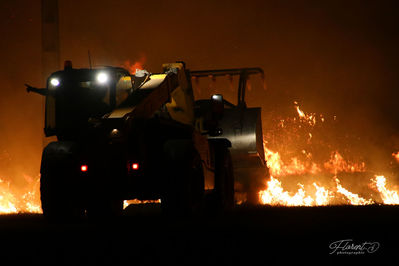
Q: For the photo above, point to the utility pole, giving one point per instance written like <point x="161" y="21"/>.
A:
<point x="50" y="44"/>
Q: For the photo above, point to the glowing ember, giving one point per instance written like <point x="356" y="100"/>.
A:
<point x="309" y="118"/>
<point x="300" y="113"/>
<point x="396" y="156"/>
<point x="388" y="196"/>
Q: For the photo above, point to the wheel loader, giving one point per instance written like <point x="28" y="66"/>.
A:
<point x="121" y="136"/>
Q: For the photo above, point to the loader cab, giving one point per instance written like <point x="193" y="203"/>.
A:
<point x="77" y="95"/>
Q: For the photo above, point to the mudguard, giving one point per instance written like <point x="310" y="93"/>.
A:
<point x="58" y="154"/>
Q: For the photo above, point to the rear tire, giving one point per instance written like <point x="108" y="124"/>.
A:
<point x="222" y="197"/>
<point x="58" y="202"/>
<point x="60" y="190"/>
<point x="184" y="181"/>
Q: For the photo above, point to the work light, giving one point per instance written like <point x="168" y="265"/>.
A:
<point x="102" y="77"/>
<point x="55" y="82"/>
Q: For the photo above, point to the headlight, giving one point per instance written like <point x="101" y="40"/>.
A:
<point x="102" y="77"/>
<point x="217" y="97"/>
<point x="55" y="82"/>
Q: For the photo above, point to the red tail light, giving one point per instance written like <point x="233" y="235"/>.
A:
<point x="83" y="168"/>
<point x="135" y="166"/>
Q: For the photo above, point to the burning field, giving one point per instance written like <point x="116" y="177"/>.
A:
<point x="313" y="173"/>
<point x="305" y="170"/>
<point x="20" y="200"/>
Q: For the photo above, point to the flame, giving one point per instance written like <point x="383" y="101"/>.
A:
<point x="300" y="112"/>
<point x="303" y="164"/>
<point x="19" y="201"/>
<point x="388" y="196"/>
<point x="353" y="198"/>
<point x="309" y="118"/>
<point x="137" y="65"/>
<point x="338" y="164"/>
<point x="7" y="199"/>
<point x="335" y="165"/>
<point x="296" y="167"/>
<point x="126" y="203"/>
<point x="322" y="196"/>
<point x="275" y="195"/>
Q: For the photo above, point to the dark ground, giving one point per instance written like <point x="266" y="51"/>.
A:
<point x="245" y="236"/>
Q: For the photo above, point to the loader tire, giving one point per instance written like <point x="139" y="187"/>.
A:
<point x="59" y="191"/>
<point x="224" y="179"/>
<point x="184" y="180"/>
<point x="58" y="203"/>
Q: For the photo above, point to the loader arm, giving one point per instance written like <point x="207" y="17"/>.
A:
<point x="171" y="89"/>
<point x="149" y="98"/>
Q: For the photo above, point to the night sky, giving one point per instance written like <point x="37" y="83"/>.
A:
<point x="333" y="57"/>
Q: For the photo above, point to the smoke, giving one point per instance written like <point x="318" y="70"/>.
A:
<point x="21" y="119"/>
